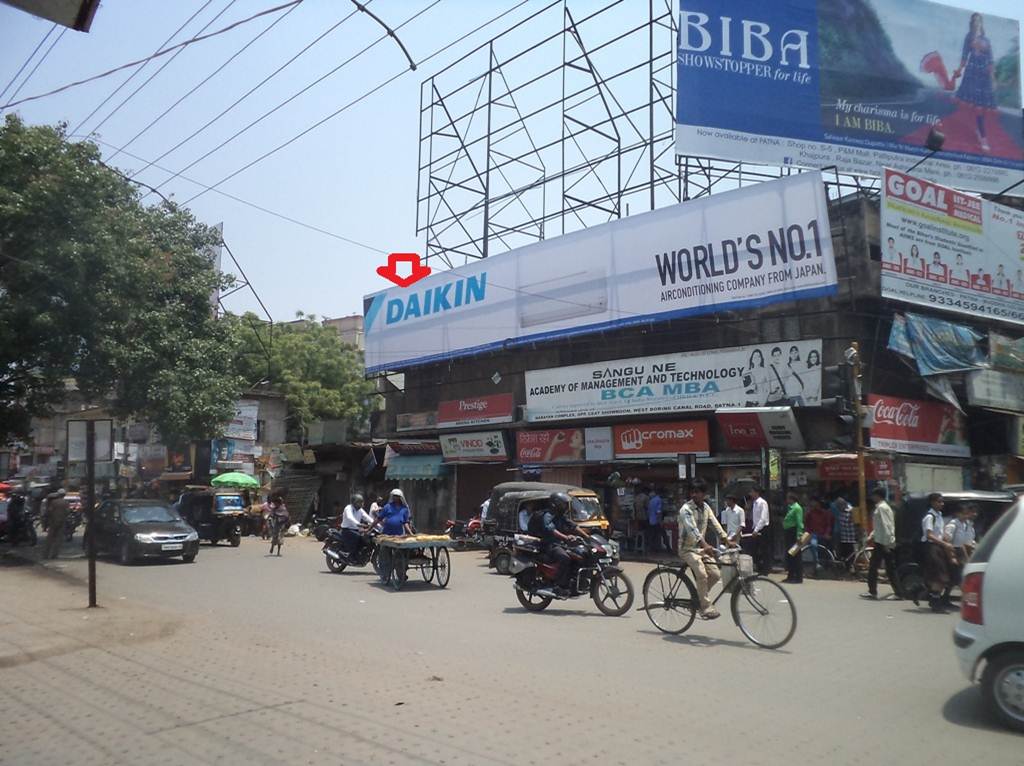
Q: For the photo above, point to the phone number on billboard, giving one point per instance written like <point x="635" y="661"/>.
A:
<point x="983" y="308"/>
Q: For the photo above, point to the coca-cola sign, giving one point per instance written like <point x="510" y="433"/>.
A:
<point x="926" y="428"/>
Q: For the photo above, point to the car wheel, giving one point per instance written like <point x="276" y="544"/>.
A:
<point x="125" y="555"/>
<point x="1002" y="685"/>
<point x="188" y="558"/>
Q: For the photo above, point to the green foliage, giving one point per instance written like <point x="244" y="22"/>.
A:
<point x="97" y="288"/>
<point x="1007" y="77"/>
<point x="320" y="376"/>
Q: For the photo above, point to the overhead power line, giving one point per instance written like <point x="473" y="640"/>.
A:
<point x="353" y="102"/>
<point x="138" y="71"/>
<point x="27" y="61"/>
<point x="245" y="95"/>
<point x="162" y="52"/>
<point x="161" y="68"/>
<point x="295" y="95"/>
<point x="205" y="80"/>
<point x="39" y="63"/>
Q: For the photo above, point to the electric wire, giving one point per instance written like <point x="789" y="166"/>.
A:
<point x="138" y="71"/>
<point x="39" y="63"/>
<point x="245" y="95"/>
<point x="295" y="95"/>
<point x="355" y="101"/>
<point x="27" y="61"/>
<point x="203" y="82"/>
<point x="161" y="68"/>
<point x="157" y="54"/>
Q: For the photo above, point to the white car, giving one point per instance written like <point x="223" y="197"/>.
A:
<point x="990" y="635"/>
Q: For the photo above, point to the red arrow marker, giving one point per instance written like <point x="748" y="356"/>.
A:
<point x="417" y="269"/>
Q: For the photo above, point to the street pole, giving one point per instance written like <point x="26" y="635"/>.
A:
<point x="90" y="504"/>
<point x="858" y="412"/>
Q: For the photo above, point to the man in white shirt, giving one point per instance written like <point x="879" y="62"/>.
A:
<point x="959" y="532"/>
<point x="884" y="537"/>
<point x="353" y="521"/>
<point x="762" y="531"/>
<point x="938" y="556"/>
<point x="733" y="519"/>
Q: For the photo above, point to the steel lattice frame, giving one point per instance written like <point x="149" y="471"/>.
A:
<point x="565" y="120"/>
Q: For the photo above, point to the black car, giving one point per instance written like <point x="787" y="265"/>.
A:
<point x="136" y="529"/>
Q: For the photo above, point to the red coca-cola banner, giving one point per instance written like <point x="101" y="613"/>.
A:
<point x="565" y="445"/>
<point x="908" y="425"/>
<point x="475" y="411"/>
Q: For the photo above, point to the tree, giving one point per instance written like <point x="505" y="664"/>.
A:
<point x="320" y="376"/>
<point x="98" y="288"/>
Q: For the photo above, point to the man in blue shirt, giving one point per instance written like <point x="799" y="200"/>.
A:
<point x="656" y="535"/>
<point x="394" y="517"/>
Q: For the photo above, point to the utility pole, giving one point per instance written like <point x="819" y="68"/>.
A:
<point x="853" y="358"/>
<point x="90" y="504"/>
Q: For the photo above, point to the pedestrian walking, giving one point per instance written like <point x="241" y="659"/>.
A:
<point x="938" y="555"/>
<point x="959" y="532"/>
<point x="657" y="537"/>
<point x="884" y="537"/>
<point x="819" y="523"/>
<point x="845" y="534"/>
<point x="56" y="515"/>
<point x="761" y="530"/>
<point x="793" y="529"/>
<point x="733" y="519"/>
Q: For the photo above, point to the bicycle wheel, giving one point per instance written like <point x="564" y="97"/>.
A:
<point x="861" y="563"/>
<point x="670" y="600"/>
<point x="764" y="612"/>
<point x="443" y="567"/>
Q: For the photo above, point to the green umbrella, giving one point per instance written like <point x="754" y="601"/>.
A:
<point x="235" y="479"/>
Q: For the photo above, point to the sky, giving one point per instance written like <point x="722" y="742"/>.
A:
<point x="354" y="176"/>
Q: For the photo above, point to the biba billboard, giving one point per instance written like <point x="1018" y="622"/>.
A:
<point x="758" y="245"/>
<point x="855" y="84"/>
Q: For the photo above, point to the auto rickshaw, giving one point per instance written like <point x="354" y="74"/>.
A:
<point x="216" y="514"/>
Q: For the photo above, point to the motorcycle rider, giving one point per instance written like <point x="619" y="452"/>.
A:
<point x="554" y="529"/>
<point x="354" y="521"/>
<point x="694" y="550"/>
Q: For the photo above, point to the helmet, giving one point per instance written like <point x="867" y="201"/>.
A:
<point x="356" y="499"/>
<point x="560" y="502"/>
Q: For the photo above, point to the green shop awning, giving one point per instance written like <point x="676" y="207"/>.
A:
<point x="416" y="467"/>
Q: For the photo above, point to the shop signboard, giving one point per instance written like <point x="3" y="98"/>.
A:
<point x="476" y="447"/>
<point x="416" y="421"/>
<point x="103" y="440"/>
<point x="414" y="447"/>
<point x="750" y="428"/>
<point x="564" y="445"/>
<point x="653" y="440"/>
<point x="996" y="390"/>
<point x="782" y="374"/>
<point x="243" y="422"/>
<point x="845" y="469"/>
<point x="926" y="428"/>
<point x="864" y="84"/>
<point x="476" y="411"/>
<point x="746" y="248"/>
<point x="599" y="441"/>
<point x="951" y="251"/>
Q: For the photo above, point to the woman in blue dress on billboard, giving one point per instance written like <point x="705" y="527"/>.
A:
<point x="977" y="66"/>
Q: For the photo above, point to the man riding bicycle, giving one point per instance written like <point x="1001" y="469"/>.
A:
<point x="696" y="553"/>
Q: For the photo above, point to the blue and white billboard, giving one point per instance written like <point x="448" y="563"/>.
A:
<point x="855" y="84"/>
<point x="754" y="246"/>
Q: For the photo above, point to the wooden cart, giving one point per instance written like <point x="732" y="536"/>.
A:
<point x="427" y="553"/>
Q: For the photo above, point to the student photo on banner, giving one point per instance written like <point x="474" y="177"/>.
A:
<point x="960" y="276"/>
<point x="937" y="270"/>
<point x="755" y="379"/>
<point x="892" y="259"/>
<point x="914" y="266"/>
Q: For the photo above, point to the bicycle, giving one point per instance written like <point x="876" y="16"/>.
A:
<point x="760" y="607"/>
<point x="829" y="564"/>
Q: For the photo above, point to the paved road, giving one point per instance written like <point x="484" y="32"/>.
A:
<point x="243" y="658"/>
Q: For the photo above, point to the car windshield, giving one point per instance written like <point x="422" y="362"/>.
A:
<point x="586" y="509"/>
<point x="229" y="503"/>
<point x="141" y="514"/>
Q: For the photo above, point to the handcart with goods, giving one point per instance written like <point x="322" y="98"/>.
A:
<point x="427" y="553"/>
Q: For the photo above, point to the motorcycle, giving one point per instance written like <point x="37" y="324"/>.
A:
<point x="465" y="532"/>
<point x="338" y="559"/>
<point x="592" y="573"/>
<point x="71" y="524"/>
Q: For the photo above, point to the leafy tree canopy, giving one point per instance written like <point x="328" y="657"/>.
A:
<point x="320" y="375"/>
<point x="101" y="289"/>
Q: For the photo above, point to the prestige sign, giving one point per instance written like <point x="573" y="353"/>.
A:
<point x="772" y="374"/>
<point x="761" y="244"/>
<point x="650" y="440"/>
<point x="907" y="425"/>
<point x="476" y="410"/>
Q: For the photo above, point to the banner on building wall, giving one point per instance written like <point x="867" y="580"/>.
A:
<point x="750" y="428"/>
<point x="935" y="345"/>
<point x="908" y="425"/>
<point x="476" y="411"/>
<point x="854" y="85"/>
<point x="416" y="421"/>
<point x="661" y="440"/>
<point x="1006" y="353"/>
<point x="600" y="440"/>
<point x="740" y="249"/>
<point x="950" y="251"/>
<point x="845" y="469"/>
<point x="996" y="389"/>
<point x="243" y="423"/>
<point x="477" y="447"/>
<point x="787" y="373"/>
<point x="564" y="445"/>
